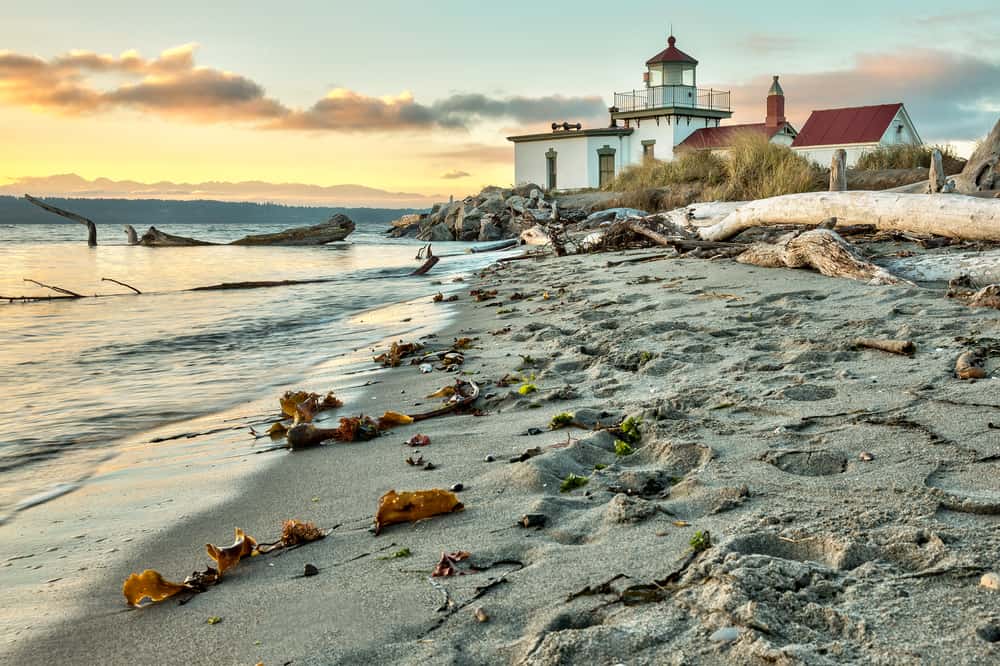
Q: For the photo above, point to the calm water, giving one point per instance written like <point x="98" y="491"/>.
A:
<point x="77" y="376"/>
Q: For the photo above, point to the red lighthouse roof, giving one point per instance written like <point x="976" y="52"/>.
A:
<point x="671" y="54"/>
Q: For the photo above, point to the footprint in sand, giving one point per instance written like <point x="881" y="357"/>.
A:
<point x="808" y="392"/>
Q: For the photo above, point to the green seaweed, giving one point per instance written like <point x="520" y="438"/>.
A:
<point x="623" y="448"/>
<point x="700" y="541"/>
<point x="560" y="421"/>
<point x="629" y="430"/>
<point x="402" y="552"/>
<point x="572" y="482"/>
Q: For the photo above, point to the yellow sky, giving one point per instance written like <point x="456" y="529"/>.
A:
<point x="124" y="145"/>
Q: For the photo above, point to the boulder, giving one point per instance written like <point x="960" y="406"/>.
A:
<point x="492" y="204"/>
<point x="488" y="231"/>
<point x="518" y="204"/>
<point x="436" y="233"/>
<point x="525" y="190"/>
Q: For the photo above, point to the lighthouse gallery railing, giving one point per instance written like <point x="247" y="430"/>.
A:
<point x="659" y="97"/>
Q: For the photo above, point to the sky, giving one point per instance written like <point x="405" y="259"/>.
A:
<point x="413" y="101"/>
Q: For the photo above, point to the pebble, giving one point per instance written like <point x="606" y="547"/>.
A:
<point x="457" y="488"/>
<point x="725" y="635"/>
<point x="310" y="570"/>
<point x="533" y="519"/>
<point x="866" y="456"/>
<point x="991" y="581"/>
<point x="481" y="615"/>
<point x="489" y="459"/>
<point x="989" y="632"/>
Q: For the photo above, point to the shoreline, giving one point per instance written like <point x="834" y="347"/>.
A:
<point x="756" y="409"/>
<point x="169" y="483"/>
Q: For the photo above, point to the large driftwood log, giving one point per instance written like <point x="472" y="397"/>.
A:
<point x="337" y="228"/>
<point x="981" y="268"/>
<point x="821" y="249"/>
<point x="838" y="171"/>
<point x="156" y="238"/>
<point x="91" y="227"/>
<point x="968" y="218"/>
<point x="982" y="171"/>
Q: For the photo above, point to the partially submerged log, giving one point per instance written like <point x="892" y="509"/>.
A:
<point x="982" y="171"/>
<point x="133" y="238"/>
<point x="821" y="249"/>
<point x="432" y="259"/>
<point x="337" y="228"/>
<point x="968" y="218"/>
<point x="156" y="238"/>
<point x="91" y="227"/>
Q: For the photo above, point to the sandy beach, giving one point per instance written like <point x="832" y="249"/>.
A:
<point x="850" y="495"/>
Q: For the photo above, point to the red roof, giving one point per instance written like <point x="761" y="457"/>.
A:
<point x="671" y="54"/>
<point x="859" y="124"/>
<point x="722" y="137"/>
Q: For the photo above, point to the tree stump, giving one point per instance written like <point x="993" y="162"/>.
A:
<point x="936" y="174"/>
<point x="838" y="171"/>
<point x="982" y="171"/>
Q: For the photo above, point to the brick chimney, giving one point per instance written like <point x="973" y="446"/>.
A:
<point x="775" y="106"/>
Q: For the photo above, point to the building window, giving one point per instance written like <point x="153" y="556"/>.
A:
<point x="550" y="169"/>
<point x="648" y="146"/>
<point x="605" y="165"/>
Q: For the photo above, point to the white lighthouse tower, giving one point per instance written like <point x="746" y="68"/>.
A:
<point x="670" y="107"/>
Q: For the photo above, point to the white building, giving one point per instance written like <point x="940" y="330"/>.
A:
<point x="671" y="114"/>
<point x="857" y="130"/>
<point x="645" y="123"/>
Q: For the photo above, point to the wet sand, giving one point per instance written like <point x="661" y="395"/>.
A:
<point x="756" y="409"/>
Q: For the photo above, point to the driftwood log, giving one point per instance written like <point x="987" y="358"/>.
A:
<point x="156" y="238"/>
<point x="902" y="347"/>
<point x="838" y="171"/>
<point x="133" y="238"/>
<point x="982" y="171"/>
<point x="981" y="268"/>
<point x="968" y="218"/>
<point x="337" y="228"/>
<point x="91" y="227"/>
<point x="432" y="259"/>
<point x="821" y="249"/>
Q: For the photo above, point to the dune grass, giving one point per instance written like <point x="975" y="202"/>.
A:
<point x="753" y="168"/>
<point x="906" y="156"/>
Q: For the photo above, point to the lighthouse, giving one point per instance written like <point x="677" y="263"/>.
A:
<point x="646" y="123"/>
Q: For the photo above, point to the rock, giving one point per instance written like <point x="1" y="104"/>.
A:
<point x="535" y="236"/>
<point x="725" y="635"/>
<point x="991" y="581"/>
<point x="489" y="459"/>
<point x="533" y="520"/>
<point x="309" y="570"/>
<point x="437" y="233"/>
<point x="535" y="195"/>
<point x="489" y="231"/>
<point x="492" y="204"/>
<point x="457" y="488"/>
<point x="525" y="190"/>
<point x="989" y="632"/>
<point x="518" y="204"/>
<point x="481" y="615"/>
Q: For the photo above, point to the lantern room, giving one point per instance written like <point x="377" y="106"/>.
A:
<point x="670" y="67"/>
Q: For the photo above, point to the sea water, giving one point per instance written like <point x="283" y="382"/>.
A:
<point x="79" y="376"/>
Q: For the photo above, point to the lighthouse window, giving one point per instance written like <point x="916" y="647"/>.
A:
<point x="647" y="149"/>
<point x="606" y="165"/>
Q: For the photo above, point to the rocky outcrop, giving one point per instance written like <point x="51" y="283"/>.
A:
<point x="493" y="214"/>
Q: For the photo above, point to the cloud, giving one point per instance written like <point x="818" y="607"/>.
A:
<point x="173" y="85"/>
<point x="948" y="95"/>
<point x="455" y="175"/>
<point x="72" y="185"/>
<point x="476" y="152"/>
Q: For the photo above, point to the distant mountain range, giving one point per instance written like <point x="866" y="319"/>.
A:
<point x="142" y="213"/>
<point x="72" y="185"/>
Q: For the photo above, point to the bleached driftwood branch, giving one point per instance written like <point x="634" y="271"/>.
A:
<point x="91" y="227"/>
<point x="962" y="217"/>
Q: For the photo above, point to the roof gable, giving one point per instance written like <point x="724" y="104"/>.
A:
<point x="671" y="54"/>
<point x="713" y="138"/>
<point x="859" y="124"/>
